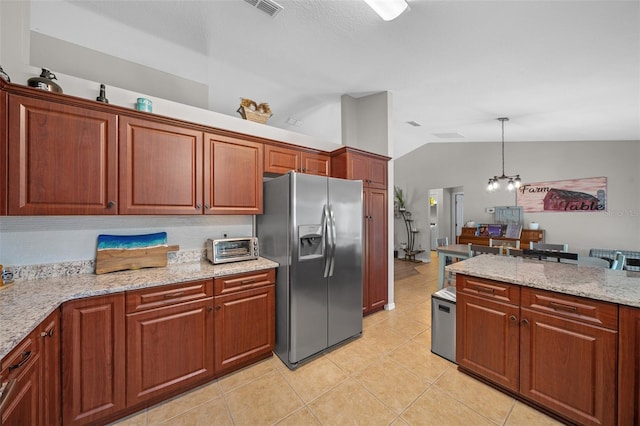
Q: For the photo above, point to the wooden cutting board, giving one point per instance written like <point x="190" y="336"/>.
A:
<point x="122" y="252"/>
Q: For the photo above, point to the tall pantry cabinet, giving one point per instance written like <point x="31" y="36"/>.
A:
<point x="350" y="163"/>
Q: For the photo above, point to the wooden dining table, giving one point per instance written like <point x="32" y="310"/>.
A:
<point x="461" y="251"/>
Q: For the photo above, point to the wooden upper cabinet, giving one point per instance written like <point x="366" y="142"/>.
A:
<point x="160" y="168"/>
<point x="350" y="163"/>
<point x="280" y="160"/>
<point x="233" y="171"/>
<point x="62" y="159"/>
<point x="316" y="164"/>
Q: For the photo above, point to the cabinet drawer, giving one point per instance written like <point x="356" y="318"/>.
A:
<point x="155" y="297"/>
<point x="577" y="308"/>
<point x="488" y="289"/>
<point x="231" y="283"/>
<point x="14" y="363"/>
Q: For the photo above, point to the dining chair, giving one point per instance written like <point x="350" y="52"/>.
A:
<point x="544" y="246"/>
<point x="512" y="251"/>
<point x="451" y="277"/>
<point x="618" y="261"/>
<point x="476" y="249"/>
<point x="549" y="254"/>
<point x="593" y="261"/>
<point x="498" y="242"/>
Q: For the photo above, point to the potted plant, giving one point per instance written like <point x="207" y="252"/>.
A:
<point x="399" y="196"/>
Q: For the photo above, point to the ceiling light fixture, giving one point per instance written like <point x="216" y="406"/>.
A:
<point x="513" y="181"/>
<point x="387" y="9"/>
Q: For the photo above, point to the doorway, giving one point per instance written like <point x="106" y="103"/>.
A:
<point x="457" y="199"/>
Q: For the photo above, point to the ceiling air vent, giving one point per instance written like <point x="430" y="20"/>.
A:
<point x="269" y="7"/>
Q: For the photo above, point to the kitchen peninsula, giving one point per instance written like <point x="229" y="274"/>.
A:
<point x="562" y="337"/>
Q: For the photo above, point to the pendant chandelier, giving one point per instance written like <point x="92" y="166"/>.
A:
<point x="514" y="181"/>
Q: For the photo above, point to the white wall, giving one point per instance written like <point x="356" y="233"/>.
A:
<point x="470" y="165"/>
<point x="35" y="240"/>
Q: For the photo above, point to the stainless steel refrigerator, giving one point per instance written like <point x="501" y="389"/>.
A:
<point x="312" y="226"/>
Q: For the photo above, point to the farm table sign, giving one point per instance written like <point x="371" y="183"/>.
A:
<point x="575" y="195"/>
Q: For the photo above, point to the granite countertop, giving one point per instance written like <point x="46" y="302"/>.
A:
<point x="621" y="287"/>
<point x="26" y="303"/>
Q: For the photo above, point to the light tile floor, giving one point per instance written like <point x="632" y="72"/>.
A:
<point x="387" y="377"/>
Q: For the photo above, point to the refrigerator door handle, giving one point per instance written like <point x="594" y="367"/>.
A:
<point x="334" y="238"/>
<point x="326" y="240"/>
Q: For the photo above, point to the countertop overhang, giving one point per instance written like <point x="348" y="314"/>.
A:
<point x="621" y="287"/>
<point x="26" y="303"/>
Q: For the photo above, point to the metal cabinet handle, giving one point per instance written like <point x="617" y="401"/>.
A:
<point x="198" y="206"/>
<point x="484" y="290"/>
<point x="47" y="333"/>
<point x="563" y="307"/>
<point x="111" y="204"/>
<point x="210" y="309"/>
<point x="207" y="207"/>
<point x="513" y="318"/>
<point x="525" y="322"/>
<point x="25" y="358"/>
<point x="218" y="307"/>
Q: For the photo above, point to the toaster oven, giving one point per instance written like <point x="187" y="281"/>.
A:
<point x="232" y="249"/>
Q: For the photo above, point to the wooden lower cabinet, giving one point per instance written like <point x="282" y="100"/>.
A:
<point x="93" y="358"/>
<point x="553" y="350"/>
<point x="375" y="248"/>
<point x="124" y="352"/>
<point x="35" y="367"/>
<point x="487" y="334"/>
<point x="169" y="349"/>
<point x="569" y="367"/>
<point x="244" y="327"/>
<point x="629" y="367"/>
<point x="22" y="367"/>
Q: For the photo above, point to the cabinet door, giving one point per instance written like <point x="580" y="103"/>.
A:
<point x="244" y="327"/>
<point x="23" y="366"/>
<point x="62" y="159"/>
<point x="316" y="164"/>
<point x="377" y="173"/>
<point x="487" y="339"/>
<point x="371" y="171"/>
<point x="160" y="168"/>
<point x="281" y="160"/>
<point x="629" y="367"/>
<point x="93" y="358"/>
<point x="375" y="290"/>
<point x="569" y="367"/>
<point x="232" y="176"/>
<point x="158" y="361"/>
<point x="49" y="334"/>
<point x="4" y="100"/>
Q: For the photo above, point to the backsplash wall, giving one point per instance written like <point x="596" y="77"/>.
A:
<point x="35" y="240"/>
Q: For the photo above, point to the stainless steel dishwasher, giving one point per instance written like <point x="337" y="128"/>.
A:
<point x="443" y="323"/>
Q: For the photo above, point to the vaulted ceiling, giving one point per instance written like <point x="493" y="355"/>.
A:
<point x="560" y="70"/>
